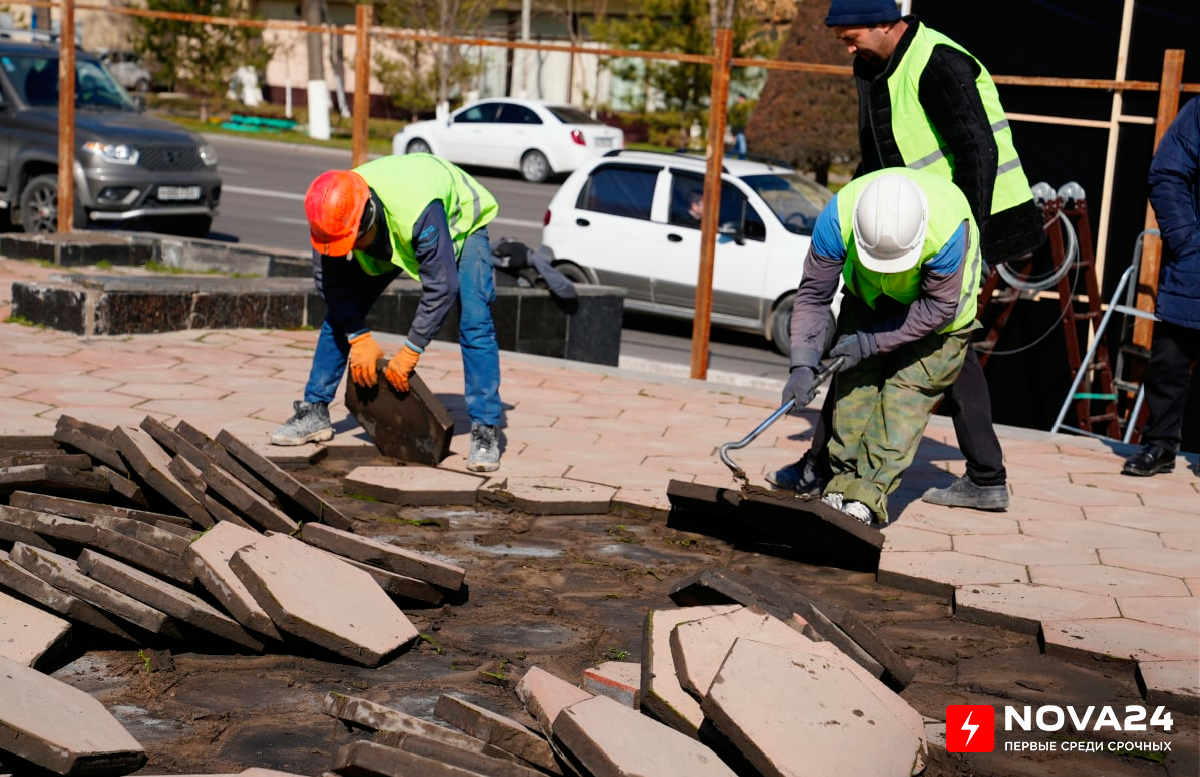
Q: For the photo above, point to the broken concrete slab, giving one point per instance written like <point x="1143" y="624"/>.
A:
<point x="663" y="698"/>
<point x="176" y="602"/>
<point x="92" y="439"/>
<point x="371" y="759"/>
<point x="414" y="485"/>
<point x="122" y="485"/>
<point x="208" y="557"/>
<point x="76" y="508"/>
<point x="385" y="555"/>
<point x="698" y="647"/>
<point x="470" y="760"/>
<point x="32" y="588"/>
<point x="282" y="482"/>
<point x="548" y="496"/>
<point x="545" y="694"/>
<point x="151" y="464"/>
<point x="11" y="532"/>
<point x="52" y="479"/>
<point x="348" y="614"/>
<point x="57" y="727"/>
<point x="378" y="717"/>
<point x="607" y="739"/>
<point x="620" y="681"/>
<point x="63" y="573"/>
<point x="410" y="589"/>
<point x="27" y="633"/>
<point x="412" y="426"/>
<point x="504" y="732"/>
<point x="790" y="712"/>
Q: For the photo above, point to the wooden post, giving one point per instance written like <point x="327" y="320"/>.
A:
<point x="702" y="321"/>
<point x="362" y="84"/>
<point x="66" y="117"/>
<point x="1147" y="284"/>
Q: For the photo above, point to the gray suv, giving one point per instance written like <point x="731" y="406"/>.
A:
<point x="130" y="168"/>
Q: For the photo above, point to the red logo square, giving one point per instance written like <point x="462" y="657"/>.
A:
<point x="970" y="728"/>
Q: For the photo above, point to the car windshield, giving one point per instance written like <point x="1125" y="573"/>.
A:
<point x="569" y="114"/>
<point x="36" y="79"/>
<point x="795" y="200"/>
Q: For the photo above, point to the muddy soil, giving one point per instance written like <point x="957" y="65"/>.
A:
<point x="564" y="593"/>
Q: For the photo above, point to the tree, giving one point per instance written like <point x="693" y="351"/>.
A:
<point x="809" y="120"/>
<point x="200" y="58"/>
<point x="684" y="26"/>
<point x="417" y="74"/>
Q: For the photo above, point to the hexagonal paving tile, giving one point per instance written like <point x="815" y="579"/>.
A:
<point x="1022" y="607"/>
<point x="1118" y="638"/>
<point x="548" y="496"/>
<point x="414" y="485"/>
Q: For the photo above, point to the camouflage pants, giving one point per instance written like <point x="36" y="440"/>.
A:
<point x="882" y="407"/>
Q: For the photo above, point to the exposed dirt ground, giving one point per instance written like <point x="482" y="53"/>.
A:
<point x="564" y="593"/>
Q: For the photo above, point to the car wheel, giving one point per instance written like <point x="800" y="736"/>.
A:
<point x="142" y="85"/>
<point x="535" y="168"/>
<point x="417" y="147"/>
<point x="781" y="325"/>
<point x="39" y="205"/>
<point x="573" y="272"/>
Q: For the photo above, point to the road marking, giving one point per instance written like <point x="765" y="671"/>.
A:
<point x="516" y="222"/>
<point x="262" y="192"/>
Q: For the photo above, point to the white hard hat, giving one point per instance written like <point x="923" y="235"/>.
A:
<point x="890" y="218"/>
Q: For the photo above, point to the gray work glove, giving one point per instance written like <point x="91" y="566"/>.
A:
<point x="853" y="348"/>
<point x="801" y="386"/>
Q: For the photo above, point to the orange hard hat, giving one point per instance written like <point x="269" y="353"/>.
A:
<point x="334" y="207"/>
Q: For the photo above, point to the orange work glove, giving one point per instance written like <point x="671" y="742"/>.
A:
<point x="364" y="354"/>
<point x="401" y="366"/>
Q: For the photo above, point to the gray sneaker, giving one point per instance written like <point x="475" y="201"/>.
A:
<point x="485" y="448"/>
<point x="964" y="493"/>
<point x="310" y="423"/>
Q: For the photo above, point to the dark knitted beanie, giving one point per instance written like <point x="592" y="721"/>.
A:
<point x="861" y="13"/>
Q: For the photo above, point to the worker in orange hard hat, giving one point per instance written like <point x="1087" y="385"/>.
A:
<point x="414" y="214"/>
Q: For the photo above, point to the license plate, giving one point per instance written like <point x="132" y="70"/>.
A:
<point x="604" y="141"/>
<point x="179" y="192"/>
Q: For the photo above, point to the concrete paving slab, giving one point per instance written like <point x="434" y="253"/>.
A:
<point x="385" y="555"/>
<point x="122" y="486"/>
<point x="208" y="556"/>
<point x="27" y="633"/>
<point x="1107" y="581"/>
<point x="698" y="647"/>
<point x="166" y="541"/>
<point x="32" y="588"/>
<point x="608" y="739"/>
<point x="76" y="508"/>
<point x="1022" y="607"/>
<point x="178" y="445"/>
<point x="146" y="557"/>
<point x="192" y="479"/>
<point x="246" y="501"/>
<point x="53" y="479"/>
<point x="410" y="590"/>
<point x="476" y="763"/>
<point x="1168" y="562"/>
<point x="60" y="728"/>
<point x="1177" y="612"/>
<point x="63" y="573"/>
<point x="412" y="426"/>
<point x="277" y="478"/>
<point x="378" y="717"/>
<point x="1092" y="534"/>
<point x="92" y="439"/>
<point x="1172" y="684"/>
<point x="545" y="694"/>
<point x="939" y="572"/>
<point x="792" y="713"/>
<point x="151" y="465"/>
<point x="348" y="614"/>
<point x="414" y="485"/>
<point x="498" y="730"/>
<point x="620" y="681"/>
<point x="57" y="457"/>
<point x="1119" y="638"/>
<point x="176" y="602"/>
<point x="372" y="759"/>
<point x="662" y="695"/>
<point x="1024" y="550"/>
<point x="547" y="496"/>
<point x="11" y="532"/>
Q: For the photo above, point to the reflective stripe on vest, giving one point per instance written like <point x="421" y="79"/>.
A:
<point x="922" y="149"/>
<point x="948" y="207"/>
<point x="406" y="184"/>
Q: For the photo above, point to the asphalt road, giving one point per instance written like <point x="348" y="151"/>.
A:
<point x="262" y="203"/>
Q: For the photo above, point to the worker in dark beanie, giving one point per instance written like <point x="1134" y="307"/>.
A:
<point x="926" y="103"/>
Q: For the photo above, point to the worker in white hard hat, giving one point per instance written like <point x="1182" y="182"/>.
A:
<point x="907" y="246"/>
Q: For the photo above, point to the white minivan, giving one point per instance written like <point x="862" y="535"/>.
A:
<point x="628" y="219"/>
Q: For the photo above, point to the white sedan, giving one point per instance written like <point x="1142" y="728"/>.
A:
<point x="537" y="138"/>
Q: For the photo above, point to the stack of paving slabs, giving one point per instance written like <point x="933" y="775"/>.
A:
<point x="163" y="537"/>
<point x="722" y="690"/>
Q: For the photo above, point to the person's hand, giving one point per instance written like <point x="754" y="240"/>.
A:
<point x="853" y="348"/>
<point x="401" y="366"/>
<point x="801" y="386"/>
<point x="364" y="354"/>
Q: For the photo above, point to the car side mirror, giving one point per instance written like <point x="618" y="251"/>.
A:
<point x="733" y="230"/>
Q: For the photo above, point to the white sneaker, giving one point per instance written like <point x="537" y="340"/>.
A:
<point x="833" y="500"/>
<point x="860" y="511"/>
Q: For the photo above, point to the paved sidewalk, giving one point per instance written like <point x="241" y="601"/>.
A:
<point x="1095" y="562"/>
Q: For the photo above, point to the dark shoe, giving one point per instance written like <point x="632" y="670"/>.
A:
<point x="310" y="423"/>
<point x="1150" y="460"/>
<point x="485" y="449"/>
<point x="964" y="493"/>
<point x="801" y="477"/>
